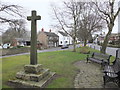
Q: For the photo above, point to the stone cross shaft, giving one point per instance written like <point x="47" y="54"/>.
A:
<point x="33" y="50"/>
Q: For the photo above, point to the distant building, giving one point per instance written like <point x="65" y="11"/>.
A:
<point x="24" y="41"/>
<point x="20" y="42"/>
<point x="48" y="39"/>
<point x="64" y="39"/>
<point x="114" y="37"/>
<point x="101" y="37"/>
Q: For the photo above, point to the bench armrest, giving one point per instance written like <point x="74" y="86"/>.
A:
<point x="104" y="63"/>
<point x="109" y="59"/>
<point x="92" y="54"/>
<point x="88" y="55"/>
<point x="87" y="58"/>
<point x="113" y="62"/>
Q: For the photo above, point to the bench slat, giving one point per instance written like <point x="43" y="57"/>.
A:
<point x="99" y="58"/>
<point x="102" y="56"/>
<point x="112" y="75"/>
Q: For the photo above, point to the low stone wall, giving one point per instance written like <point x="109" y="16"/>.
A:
<point x="13" y="51"/>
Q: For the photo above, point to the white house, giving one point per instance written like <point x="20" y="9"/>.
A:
<point x="64" y="39"/>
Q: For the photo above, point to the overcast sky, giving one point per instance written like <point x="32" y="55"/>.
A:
<point x="43" y="9"/>
<point x="41" y="6"/>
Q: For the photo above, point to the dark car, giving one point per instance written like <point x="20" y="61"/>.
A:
<point x="64" y="46"/>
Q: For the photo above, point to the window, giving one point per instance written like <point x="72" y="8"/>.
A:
<point x="61" y="42"/>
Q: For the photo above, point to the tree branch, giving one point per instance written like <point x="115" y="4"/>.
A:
<point x="117" y="13"/>
<point x="104" y="12"/>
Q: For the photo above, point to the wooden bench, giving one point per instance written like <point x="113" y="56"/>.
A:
<point x="112" y="72"/>
<point x="99" y="58"/>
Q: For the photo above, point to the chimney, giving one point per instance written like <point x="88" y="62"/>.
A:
<point x="50" y="30"/>
<point x="42" y="29"/>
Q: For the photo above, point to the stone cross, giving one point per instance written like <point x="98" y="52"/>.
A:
<point x="33" y="50"/>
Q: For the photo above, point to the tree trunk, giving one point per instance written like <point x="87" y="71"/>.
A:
<point x="104" y="45"/>
<point x="85" y="42"/>
<point x="74" y="44"/>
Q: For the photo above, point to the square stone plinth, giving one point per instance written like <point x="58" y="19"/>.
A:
<point x="32" y="77"/>
<point x="33" y="69"/>
<point x="18" y="83"/>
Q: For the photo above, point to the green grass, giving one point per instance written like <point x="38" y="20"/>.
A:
<point x="60" y="62"/>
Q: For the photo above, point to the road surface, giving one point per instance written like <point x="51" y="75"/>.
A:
<point x="109" y="50"/>
<point x="40" y="51"/>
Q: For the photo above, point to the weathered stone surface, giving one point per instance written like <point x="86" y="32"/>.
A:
<point x="32" y="77"/>
<point x="31" y="84"/>
<point x="34" y="69"/>
<point x="90" y="76"/>
<point x="33" y="49"/>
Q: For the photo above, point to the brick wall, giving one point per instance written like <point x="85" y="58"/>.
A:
<point x="42" y="38"/>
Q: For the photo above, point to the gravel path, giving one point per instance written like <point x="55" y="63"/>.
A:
<point x="90" y="76"/>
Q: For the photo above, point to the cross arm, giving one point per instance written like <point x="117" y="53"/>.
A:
<point x="29" y="18"/>
<point x="38" y="17"/>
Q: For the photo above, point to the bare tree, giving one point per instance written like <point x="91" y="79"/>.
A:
<point x="89" y="22"/>
<point x="67" y="18"/>
<point x="19" y="27"/>
<point x="108" y="12"/>
<point x="17" y="30"/>
<point x="8" y="12"/>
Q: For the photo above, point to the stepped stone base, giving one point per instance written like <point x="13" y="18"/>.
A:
<point x="33" y="68"/>
<point x="18" y="83"/>
<point x="33" y="76"/>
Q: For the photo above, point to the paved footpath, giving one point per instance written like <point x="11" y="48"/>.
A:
<point x="90" y="76"/>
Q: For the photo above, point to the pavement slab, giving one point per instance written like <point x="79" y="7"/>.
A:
<point x="90" y="76"/>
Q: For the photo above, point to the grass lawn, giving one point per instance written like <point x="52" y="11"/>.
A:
<point x="60" y="62"/>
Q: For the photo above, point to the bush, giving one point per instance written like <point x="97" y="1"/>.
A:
<point x="84" y="50"/>
<point x="19" y="46"/>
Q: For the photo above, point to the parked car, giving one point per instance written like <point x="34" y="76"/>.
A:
<point x="7" y="45"/>
<point x="1" y="47"/>
<point x="64" y="46"/>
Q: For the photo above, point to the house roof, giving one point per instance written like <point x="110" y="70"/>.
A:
<point x="51" y="34"/>
<point x="62" y="33"/>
